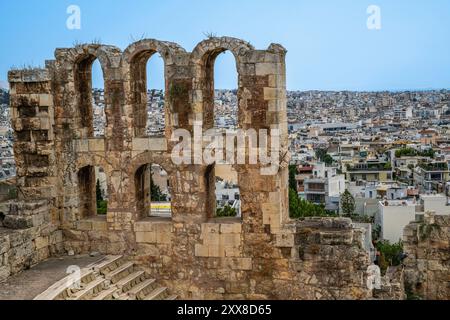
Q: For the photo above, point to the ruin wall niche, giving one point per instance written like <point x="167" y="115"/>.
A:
<point x="261" y="255"/>
<point x="427" y="266"/>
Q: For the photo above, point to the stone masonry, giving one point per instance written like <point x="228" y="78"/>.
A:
<point x="262" y="255"/>
<point x="427" y="244"/>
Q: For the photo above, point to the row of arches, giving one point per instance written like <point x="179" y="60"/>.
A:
<point x="149" y="95"/>
<point x="148" y="88"/>
<point x="152" y="194"/>
<point x="152" y="191"/>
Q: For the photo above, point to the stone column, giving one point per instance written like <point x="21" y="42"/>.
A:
<point x="32" y="116"/>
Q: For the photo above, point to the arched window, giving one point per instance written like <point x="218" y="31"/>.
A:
<point x="221" y="108"/>
<point x="93" y="192"/>
<point x="98" y="100"/>
<point x="225" y="93"/>
<point x="153" y="192"/>
<point x="156" y="114"/>
<point x="148" y="87"/>
<point x="91" y="100"/>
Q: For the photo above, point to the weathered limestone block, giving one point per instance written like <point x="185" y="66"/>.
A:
<point x="96" y="145"/>
<point x="5" y="272"/>
<point x="148" y="237"/>
<point x="392" y="285"/>
<point x="427" y="245"/>
<point x="41" y="242"/>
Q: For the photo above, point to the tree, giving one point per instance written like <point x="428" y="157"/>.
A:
<point x="292" y="174"/>
<point x="155" y="192"/>
<point x="102" y="205"/>
<point x="410" y="152"/>
<point x="226" y="211"/>
<point x="390" y="254"/>
<point x="300" y="208"/>
<point x="407" y="152"/>
<point x="347" y="203"/>
<point x="323" y="156"/>
<point x="98" y="191"/>
<point x="430" y="153"/>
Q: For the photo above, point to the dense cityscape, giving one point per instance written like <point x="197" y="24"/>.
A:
<point x="370" y="139"/>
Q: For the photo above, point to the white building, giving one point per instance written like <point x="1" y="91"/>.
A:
<point x="394" y="216"/>
<point x="228" y="194"/>
<point x="437" y="203"/>
<point x="325" y="186"/>
<point x="403" y="113"/>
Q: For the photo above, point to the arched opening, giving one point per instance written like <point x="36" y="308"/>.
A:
<point x="153" y="192"/>
<point x="221" y="113"/>
<point x="156" y="113"/>
<point x="149" y="88"/>
<point x="93" y="192"/>
<point x="225" y="93"/>
<point x="89" y="80"/>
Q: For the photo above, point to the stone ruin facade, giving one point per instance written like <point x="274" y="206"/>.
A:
<point x="427" y="267"/>
<point x="263" y="255"/>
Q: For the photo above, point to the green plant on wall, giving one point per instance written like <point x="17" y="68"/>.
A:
<point x="177" y="92"/>
<point x="425" y="230"/>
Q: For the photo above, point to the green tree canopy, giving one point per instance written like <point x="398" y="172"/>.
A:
<point x="155" y="192"/>
<point x="347" y="203"/>
<point x="322" y="155"/>
<point x="410" y="152"/>
<point x="292" y="174"/>
<point x="300" y="208"/>
<point x="226" y="211"/>
<point x="390" y="254"/>
<point x="98" y="191"/>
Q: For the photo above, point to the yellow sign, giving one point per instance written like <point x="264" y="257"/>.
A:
<point x="161" y="206"/>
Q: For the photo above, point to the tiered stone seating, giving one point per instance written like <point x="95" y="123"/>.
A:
<point x="111" y="278"/>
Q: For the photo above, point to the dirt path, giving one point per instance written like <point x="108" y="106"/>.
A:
<point x="30" y="283"/>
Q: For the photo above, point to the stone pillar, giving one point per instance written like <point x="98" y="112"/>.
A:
<point x="32" y="114"/>
<point x="262" y="106"/>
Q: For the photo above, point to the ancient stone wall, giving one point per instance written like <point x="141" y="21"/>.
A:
<point x="264" y="254"/>
<point x="30" y="227"/>
<point x="427" y="266"/>
<point x="27" y="237"/>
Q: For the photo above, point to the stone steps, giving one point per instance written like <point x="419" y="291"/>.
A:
<point x="110" y="263"/>
<point x="120" y="272"/>
<point x="93" y="288"/>
<point x="157" y="294"/>
<point x="142" y="289"/>
<point x="131" y="280"/>
<point x="111" y="278"/>
<point x="62" y="289"/>
<point x="107" y="294"/>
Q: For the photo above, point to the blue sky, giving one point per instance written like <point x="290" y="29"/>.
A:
<point x="329" y="44"/>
